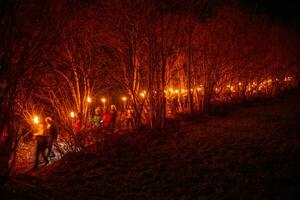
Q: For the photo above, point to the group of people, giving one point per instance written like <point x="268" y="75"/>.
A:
<point x="106" y="118"/>
<point x="46" y="133"/>
<point x="109" y="118"/>
<point x="178" y="103"/>
<point x="46" y="136"/>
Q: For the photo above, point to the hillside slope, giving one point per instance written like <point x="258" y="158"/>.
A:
<point x="251" y="153"/>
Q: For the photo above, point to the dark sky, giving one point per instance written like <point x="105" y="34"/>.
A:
<point x="282" y="11"/>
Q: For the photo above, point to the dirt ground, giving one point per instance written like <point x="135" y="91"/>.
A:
<point x="252" y="152"/>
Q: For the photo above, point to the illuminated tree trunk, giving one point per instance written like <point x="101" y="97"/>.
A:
<point x="190" y="95"/>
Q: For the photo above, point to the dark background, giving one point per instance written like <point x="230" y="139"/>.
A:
<point x="282" y="11"/>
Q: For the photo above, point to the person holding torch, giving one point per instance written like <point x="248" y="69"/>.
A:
<point x="45" y="136"/>
<point x="40" y="141"/>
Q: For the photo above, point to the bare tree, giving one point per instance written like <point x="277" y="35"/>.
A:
<point x="23" y="42"/>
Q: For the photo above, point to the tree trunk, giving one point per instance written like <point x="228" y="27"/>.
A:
<point x="190" y="95"/>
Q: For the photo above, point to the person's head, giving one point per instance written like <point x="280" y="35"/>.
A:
<point x="98" y="111"/>
<point x="48" y="120"/>
<point x="113" y="108"/>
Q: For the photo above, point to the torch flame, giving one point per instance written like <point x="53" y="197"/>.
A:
<point x="142" y="95"/>
<point x="36" y="119"/>
<point x="89" y="100"/>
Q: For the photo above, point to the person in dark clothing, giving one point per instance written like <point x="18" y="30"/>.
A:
<point x="41" y="149"/>
<point x="45" y="141"/>
<point x="114" y="115"/>
<point x="51" y="133"/>
<point x="129" y="118"/>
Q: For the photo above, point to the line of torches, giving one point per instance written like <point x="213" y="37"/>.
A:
<point x="249" y="87"/>
<point x="36" y="118"/>
<point x="171" y="91"/>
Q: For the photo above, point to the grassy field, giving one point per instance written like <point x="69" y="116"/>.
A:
<point x="250" y="153"/>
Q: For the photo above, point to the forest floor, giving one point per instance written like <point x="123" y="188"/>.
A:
<point x="253" y="152"/>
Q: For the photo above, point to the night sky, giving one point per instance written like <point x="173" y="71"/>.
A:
<point x="282" y="11"/>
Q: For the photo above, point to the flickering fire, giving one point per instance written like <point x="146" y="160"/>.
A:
<point x="89" y="100"/>
<point x="142" y="94"/>
<point x="36" y="120"/>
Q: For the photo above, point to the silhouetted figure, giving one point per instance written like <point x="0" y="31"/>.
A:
<point x="41" y="149"/>
<point x="51" y="133"/>
<point x="45" y="141"/>
<point x="114" y="114"/>
<point x="175" y="105"/>
<point x="129" y="118"/>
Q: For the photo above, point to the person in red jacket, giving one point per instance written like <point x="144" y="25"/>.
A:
<point x="77" y="124"/>
<point x="107" y="119"/>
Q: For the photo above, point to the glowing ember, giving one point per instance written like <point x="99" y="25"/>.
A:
<point x="72" y="114"/>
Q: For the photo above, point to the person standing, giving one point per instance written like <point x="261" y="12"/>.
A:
<point x="45" y="141"/>
<point x="106" y="119"/>
<point x="114" y="114"/>
<point x="41" y="143"/>
<point x="51" y="134"/>
<point x="97" y="118"/>
<point x="129" y="118"/>
<point x="77" y="124"/>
